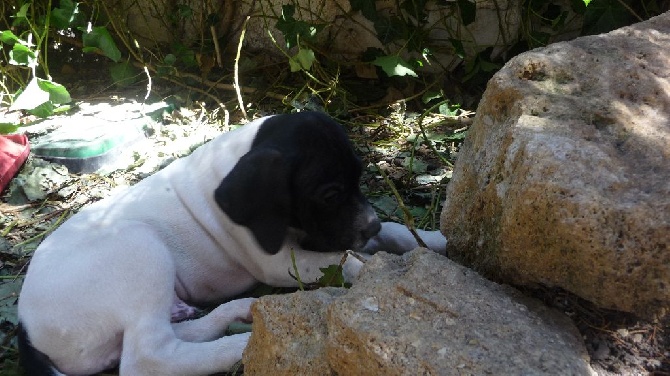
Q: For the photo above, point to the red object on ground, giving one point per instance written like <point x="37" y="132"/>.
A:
<point x="14" y="150"/>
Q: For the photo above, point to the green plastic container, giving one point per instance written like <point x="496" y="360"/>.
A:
<point x="86" y="148"/>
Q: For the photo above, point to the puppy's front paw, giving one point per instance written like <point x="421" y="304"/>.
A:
<point x="239" y="309"/>
<point x="352" y="266"/>
<point x="435" y="241"/>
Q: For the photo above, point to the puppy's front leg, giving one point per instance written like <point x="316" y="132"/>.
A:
<point x="214" y="324"/>
<point x="396" y="238"/>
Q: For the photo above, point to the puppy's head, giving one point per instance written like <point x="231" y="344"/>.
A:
<point x="301" y="172"/>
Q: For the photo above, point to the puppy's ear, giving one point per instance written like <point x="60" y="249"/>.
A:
<point x="255" y="194"/>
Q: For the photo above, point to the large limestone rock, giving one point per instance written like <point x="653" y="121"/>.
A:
<point x="417" y="314"/>
<point x="564" y="178"/>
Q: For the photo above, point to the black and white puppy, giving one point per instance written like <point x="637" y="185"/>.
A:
<point x="106" y="288"/>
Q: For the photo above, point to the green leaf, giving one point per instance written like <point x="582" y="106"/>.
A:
<point x="185" y="55"/>
<point x="8" y="128"/>
<point x="332" y="276"/>
<point x="431" y="95"/>
<point x="22" y="55"/>
<point x="394" y="66"/>
<point x="587" y="2"/>
<point x="169" y="59"/>
<point x="7" y="37"/>
<point x="449" y="109"/>
<point x="31" y="97"/>
<point x="22" y="15"/>
<point x="100" y="40"/>
<point x="293" y="29"/>
<point x="57" y="92"/>
<point x="63" y="16"/>
<point x="40" y="96"/>
<point x="303" y="60"/>
<point x="123" y="74"/>
<point x="468" y="11"/>
<point x="44" y="110"/>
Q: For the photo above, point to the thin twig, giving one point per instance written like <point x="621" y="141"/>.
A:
<point x="297" y="272"/>
<point x="217" y="48"/>
<point x="409" y="219"/>
<point x="623" y="4"/>
<point x="47" y="231"/>
<point x="237" y="69"/>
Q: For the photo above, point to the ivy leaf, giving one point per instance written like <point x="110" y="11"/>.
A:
<point x="170" y="59"/>
<point x="31" y="97"/>
<point x="468" y="11"/>
<point x="22" y="15"/>
<point x="303" y="60"/>
<point x="332" y="276"/>
<point x="7" y="37"/>
<point x="394" y="66"/>
<point x="22" y="55"/>
<point x="40" y="96"/>
<point x="431" y="95"/>
<point x="64" y="15"/>
<point x="448" y="109"/>
<point x="99" y="40"/>
<point x="44" y="110"/>
<point x="123" y="74"/>
<point x="8" y="128"/>
<point x="293" y="29"/>
<point x="57" y="92"/>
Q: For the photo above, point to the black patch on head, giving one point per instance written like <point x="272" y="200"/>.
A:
<point x="304" y="168"/>
<point x="255" y="195"/>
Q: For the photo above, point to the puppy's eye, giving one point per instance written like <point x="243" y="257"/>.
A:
<point x="331" y="194"/>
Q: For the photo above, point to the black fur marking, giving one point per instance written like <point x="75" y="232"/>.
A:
<point x="34" y="362"/>
<point x="255" y="195"/>
<point x="301" y="172"/>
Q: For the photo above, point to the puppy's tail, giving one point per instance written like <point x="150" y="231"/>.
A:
<point x="34" y="362"/>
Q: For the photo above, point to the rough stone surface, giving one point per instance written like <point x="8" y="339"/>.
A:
<point x="564" y="179"/>
<point x="417" y="314"/>
<point x="289" y="334"/>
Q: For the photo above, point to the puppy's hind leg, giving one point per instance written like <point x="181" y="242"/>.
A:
<point x="214" y="324"/>
<point x="152" y="348"/>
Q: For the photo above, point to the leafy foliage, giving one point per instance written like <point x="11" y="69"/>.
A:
<point x="28" y="36"/>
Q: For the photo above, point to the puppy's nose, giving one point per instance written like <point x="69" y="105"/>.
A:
<point x="372" y="227"/>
